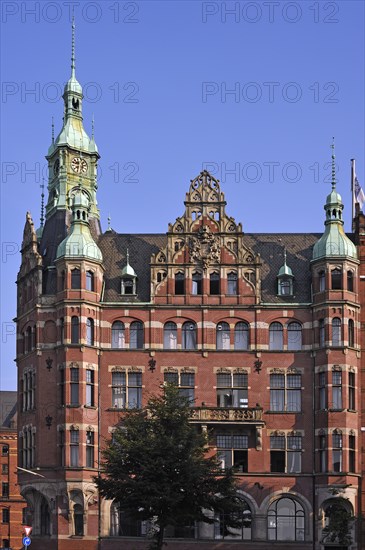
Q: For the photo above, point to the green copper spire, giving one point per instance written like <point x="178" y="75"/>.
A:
<point x="128" y="270"/>
<point x="334" y="241"/>
<point x="79" y="243"/>
<point x="285" y="269"/>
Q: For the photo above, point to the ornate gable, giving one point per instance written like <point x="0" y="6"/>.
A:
<point x="203" y="239"/>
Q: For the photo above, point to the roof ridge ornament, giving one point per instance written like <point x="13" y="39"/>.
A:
<point x="73" y="58"/>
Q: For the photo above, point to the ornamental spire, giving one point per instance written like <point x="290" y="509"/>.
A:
<point x="333" y="165"/>
<point x="42" y="203"/>
<point x="73" y="59"/>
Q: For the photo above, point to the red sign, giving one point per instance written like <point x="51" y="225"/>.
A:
<point x="27" y="530"/>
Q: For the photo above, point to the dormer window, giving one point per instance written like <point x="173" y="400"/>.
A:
<point x="285" y="286"/>
<point x="128" y="286"/>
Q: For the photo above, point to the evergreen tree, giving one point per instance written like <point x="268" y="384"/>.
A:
<point x="158" y="469"/>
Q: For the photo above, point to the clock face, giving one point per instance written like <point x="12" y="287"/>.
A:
<point x="79" y="165"/>
<point x="56" y="167"/>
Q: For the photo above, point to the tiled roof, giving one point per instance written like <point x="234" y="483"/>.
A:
<point x="299" y="248"/>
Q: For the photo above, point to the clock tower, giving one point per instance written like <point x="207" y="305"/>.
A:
<point x="72" y="165"/>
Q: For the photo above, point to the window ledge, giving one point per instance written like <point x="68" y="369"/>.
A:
<point x="73" y="406"/>
<point x="336" y="410"/>
<point x="90" y="407"/>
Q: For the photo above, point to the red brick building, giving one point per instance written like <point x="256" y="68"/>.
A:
<point x="12" y="505"/>
<point x="262" y="331"/>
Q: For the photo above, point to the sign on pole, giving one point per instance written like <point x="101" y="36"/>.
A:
<point x="27" y="530"/>
<point x="26" y="541"/>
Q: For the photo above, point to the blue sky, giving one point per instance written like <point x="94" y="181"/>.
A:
<point x="254" y="91"/>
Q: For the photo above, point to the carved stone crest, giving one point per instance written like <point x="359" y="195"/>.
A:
<point x="204" y="248"/>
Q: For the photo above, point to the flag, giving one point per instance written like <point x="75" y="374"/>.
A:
<point x="359" y="193"/>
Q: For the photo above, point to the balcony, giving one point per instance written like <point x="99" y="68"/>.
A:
<point x="214" y="415"/>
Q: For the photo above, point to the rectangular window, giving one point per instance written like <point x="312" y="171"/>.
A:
<point x="89" y="449"/>
<point x="337" y="452"/>
<point x="5" y="450"/>
<point x="6" y="515"/>
<point x="90" y="400"/>
<point x="286" y="453"/>
<point x="74" y="376"/>
<point x="62" y="387"/>
<point x="74" y="448"/>
<point x="186" y="383"/>
<point x="322" y="454"/>
<point x="322" y="390"/>
<point x="352" y="453"/>
<point x="4" y="469"/>
<point x="232" y="452"/>
<point x="5" y="490"/>
<point x="127" y="390"/>
<point x="352" y="402"/>
<point x="232" y="390"/>
<point x="337" y="389"/>
<point x="285" y="392"/>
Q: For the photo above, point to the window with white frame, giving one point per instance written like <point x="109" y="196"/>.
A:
<point x="322" y="390"/>
<point x="286" y="520"/>
<point x="276" y="336"/>
<point x="185" y="382"/>
<point x="232" y="451"/>
<point x="337" y="389"/>
<point x="223" y="336"/>
<point x="285" y="453"/>
<point x="232" y="389"/>
<point x="189" y="340"/>
<point x="232" y="284"/>
<point x="90" y="388"/>
<point x="336" y="331"/>
<point x="126" y="390"/>
<point x="74" y="447"/>
<point x="136" y="335"/>
<point x="118" y="335"/>
<point x="170" y="335"/>
<point x="294" y="336"/>
<point x="241" y="336"/>
<point x="337" y="465"/>
<point x="197" y="280"/>
<point x="285" y="392"/>
<point x="90" y="442"/>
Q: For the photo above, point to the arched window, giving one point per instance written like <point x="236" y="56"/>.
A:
<point x="241" y="336"/>
<point x="196" y="283"/>
<point x="214" y="283"/>
<point x="170" y="335"/>
<point x="338" y="515"/>
<point x="45" y="517"/>
<point x="243" y="532"/>
<point x="90" y="332"/>
<point x="136" y="335"/>
<point x="118" y="335"/>
<point x="232" y="284"/>
<point x="322" y="281"/>
<point x="189" y="335"/>
<point x="89" y="280"/>
<point x="322" y="333"/>
<point x="351" y="333"/>
<point x="276" y="336"/>
<point x="285" y="520"/>
<point x="179" y="283"/>
<point x="223" y="336"/>
<point x="336" y="331"/>
<point x="75" y="279"/>
<point x="294" y="336"/>
<point x="78" y="520"/>
<point x="336" y="279"/>
<point x="350" y="281"/>
<point x="75" y="330"/>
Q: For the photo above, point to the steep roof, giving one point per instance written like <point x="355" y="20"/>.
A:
<point x="270" y="246"/>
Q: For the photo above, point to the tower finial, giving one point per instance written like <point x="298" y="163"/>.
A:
<point x="73" y="59"/>
<point x="284" y="255"/>
<point x="42" y="203"/>
<point x="128" y="256"/>
<point x="333" y="164"/>
<point x="92" y="127"/>
<point x="109" y="221"/>
<point x="52" y="131"/>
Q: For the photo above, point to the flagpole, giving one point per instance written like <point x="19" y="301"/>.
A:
<point x="352" y="192"/>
